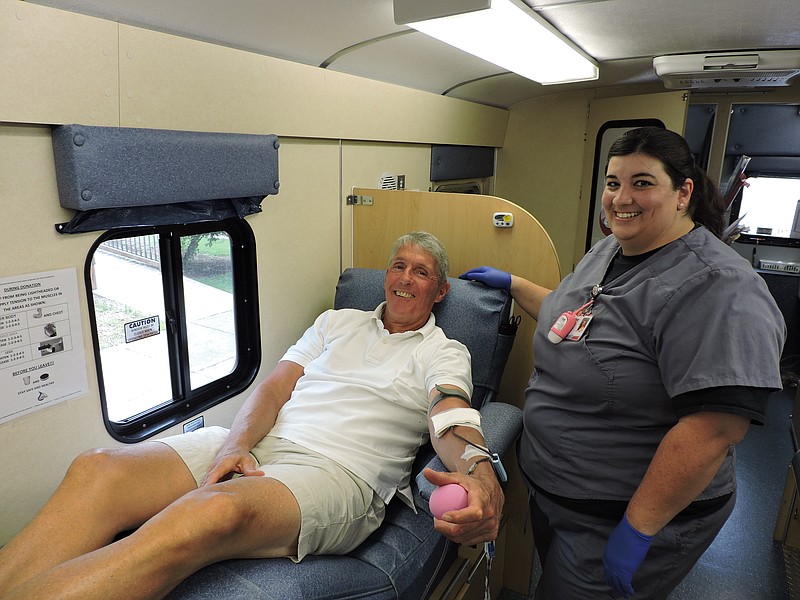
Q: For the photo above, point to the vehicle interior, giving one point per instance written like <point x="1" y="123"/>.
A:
<point x="304" y="137"/>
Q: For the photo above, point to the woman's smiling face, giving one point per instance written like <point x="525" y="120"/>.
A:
<point x="643" y="208"/>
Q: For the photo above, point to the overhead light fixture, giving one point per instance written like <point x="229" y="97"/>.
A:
<point x="506" y="33"/>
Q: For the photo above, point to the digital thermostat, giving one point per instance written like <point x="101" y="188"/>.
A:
<point x="503" y="219"/>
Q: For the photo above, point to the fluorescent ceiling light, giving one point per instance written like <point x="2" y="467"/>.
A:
<point x="506" y="33"/>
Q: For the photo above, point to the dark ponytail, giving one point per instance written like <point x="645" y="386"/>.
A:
<point x="706" y="206"/>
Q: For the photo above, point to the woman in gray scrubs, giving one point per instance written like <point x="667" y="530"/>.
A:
<point x="652" y="359"/>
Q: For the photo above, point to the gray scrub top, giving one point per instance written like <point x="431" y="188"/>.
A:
<point x="693" y="315"/>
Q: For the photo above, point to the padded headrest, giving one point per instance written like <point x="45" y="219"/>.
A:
<point x="115" y="167"/>
<point x="472" y="313"/>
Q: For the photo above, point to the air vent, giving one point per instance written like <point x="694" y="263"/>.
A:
<point x="388" y="182"/>
<point x="728" y="71"/>
<point x="728" y="79"/>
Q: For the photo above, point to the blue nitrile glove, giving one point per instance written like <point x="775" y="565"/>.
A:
<point x="490" y="276"/>
<point x="625" y="551"/>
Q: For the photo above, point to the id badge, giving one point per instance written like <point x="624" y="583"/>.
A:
<point x="580" y="327"/>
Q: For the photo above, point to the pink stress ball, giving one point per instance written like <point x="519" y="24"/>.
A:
<point x="446" y="498"/>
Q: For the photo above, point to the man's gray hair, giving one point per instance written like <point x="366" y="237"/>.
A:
<point x="430" y="244"/>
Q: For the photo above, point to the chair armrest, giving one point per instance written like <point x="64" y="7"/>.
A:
<point x="501" y="424"/>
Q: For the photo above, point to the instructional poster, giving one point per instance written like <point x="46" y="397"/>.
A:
<point x="41" y="342"/>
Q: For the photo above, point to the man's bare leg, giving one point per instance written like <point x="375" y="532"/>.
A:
<point x="103" y="493"/>
<point x="248" y="517"/>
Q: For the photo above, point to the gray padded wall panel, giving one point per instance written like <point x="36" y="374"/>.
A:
<point x="109" y="167"/>
<point x="764" y="130"/>
<point x="461" y="162"/>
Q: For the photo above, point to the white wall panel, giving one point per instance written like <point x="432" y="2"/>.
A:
<point x="57" y="67"/>
<point x="177" y="83"/>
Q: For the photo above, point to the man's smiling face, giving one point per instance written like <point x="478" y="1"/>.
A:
<point x="412" y="288"/>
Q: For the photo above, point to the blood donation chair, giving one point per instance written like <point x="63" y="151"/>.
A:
<point x="405" y="556"/>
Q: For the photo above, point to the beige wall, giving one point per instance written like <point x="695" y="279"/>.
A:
<point x="60" y="67"/>
<point x="540" y="165"/>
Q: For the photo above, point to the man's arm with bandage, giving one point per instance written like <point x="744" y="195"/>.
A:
<point x="458" y="440"/>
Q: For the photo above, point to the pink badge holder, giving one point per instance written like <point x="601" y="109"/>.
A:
<point x="561" y="327"/>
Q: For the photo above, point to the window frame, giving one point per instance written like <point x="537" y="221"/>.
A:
<point x="609" y="132"/>
<point x="186" y="402"/>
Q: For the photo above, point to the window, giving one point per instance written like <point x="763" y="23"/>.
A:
<point x="769" y="208"/>
<point x="175" y="321"/>
<point x="762" y="141"/>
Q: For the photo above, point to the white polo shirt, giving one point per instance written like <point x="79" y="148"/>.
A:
<point x="363" y="398"/>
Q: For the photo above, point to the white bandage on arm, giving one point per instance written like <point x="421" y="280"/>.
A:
<point x="447" y="419"/>
<point x="472" y="452"/>
<point x="468" y="417"/>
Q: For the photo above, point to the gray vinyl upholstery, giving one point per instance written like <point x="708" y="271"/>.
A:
<point x="116" y="167"/>
<point x="400" y="559"/>
<point x="116" y="177"/>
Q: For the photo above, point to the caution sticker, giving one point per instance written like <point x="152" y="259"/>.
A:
<point x="143" y="328"/>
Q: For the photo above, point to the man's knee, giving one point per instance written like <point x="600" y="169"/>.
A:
<point x="92" y="465"/>
<point x="218" y="513"/>
<point x="104" y="472"/>
<point x="206" y="520"/>
<point x="227" y="518"/>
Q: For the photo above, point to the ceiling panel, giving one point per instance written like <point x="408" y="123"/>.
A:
<point x="415" y="60"/>
<point x="509" y="89"/>
<point x="307" y="31"/>
<point x="613" y="29"/>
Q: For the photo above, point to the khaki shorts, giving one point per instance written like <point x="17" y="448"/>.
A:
<point x="338" y="510"/>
